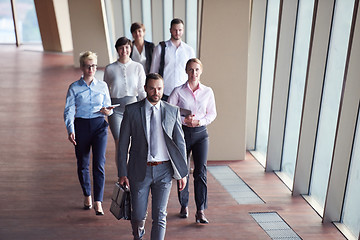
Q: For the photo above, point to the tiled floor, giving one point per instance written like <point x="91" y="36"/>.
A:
<point x="40" y="197"/>
<point x="237" y="188"/>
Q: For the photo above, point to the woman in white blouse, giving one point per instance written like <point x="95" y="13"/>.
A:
<point x="142" y="50"/>
<point x="125" y="79"/>
<point x="197" y="107"/>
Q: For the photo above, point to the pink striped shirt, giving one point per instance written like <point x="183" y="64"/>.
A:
<point x="201" y="102"/>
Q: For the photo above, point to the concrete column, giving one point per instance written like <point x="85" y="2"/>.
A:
<point x="89" y="30"/>
<point x="224" y="54"/>
<point x="54" y="24"/>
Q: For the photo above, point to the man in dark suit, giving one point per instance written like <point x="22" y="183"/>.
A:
<point x="152" y="129"/>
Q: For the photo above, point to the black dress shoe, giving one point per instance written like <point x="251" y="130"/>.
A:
<point x="200" y="217"/>
<point x="184" y="212"/>
<point x="87" y="203"/>
<point x="97" y="212"/>
<point x="87" y="207"/>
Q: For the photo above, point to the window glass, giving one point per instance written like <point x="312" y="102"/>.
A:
<point x="7" y="32"/>
<point x="146" y="16"/>
<point x="331" y="99"/>
<point x="28" y="31"/>
<point x="351" y="211"/>
<point x="127" y="18"/>
<point x="168" y="16"/>
<point x="267" y="76"/>
<point x="191" y="23"/>
<point x="297" y="84"/>
<point x="111" y="27"/>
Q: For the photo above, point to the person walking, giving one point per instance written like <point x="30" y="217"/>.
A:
<point x="125" y="79"/>
<point x="198" y="101"/>
<point x="170" y="57"/>
<point x="152" y="129"/>
<point x="87" y="104"/>
<point x="142" y="50"/>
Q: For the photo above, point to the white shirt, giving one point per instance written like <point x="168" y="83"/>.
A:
<point x="175" y="61"/>
<point x="163" y="154"/>
<point x="125" y="79"/>
<point x="201" y="102"/>
<point x="139" y="57"/>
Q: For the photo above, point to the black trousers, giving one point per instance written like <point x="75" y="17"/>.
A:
<point x="197" y="143"/>
<point x="91" y="134"/>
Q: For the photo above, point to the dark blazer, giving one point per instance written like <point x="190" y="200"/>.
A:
<point x="133" y="134"/>
<point x="149" y="49"/>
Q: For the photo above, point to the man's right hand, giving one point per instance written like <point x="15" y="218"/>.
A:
<point x="124" y="181"/>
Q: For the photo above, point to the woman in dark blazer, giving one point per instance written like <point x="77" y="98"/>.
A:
<point x="142" y="50"/>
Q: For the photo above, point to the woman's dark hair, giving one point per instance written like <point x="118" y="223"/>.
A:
<point x="122" y="41"/>
<point x="135" y="26"/>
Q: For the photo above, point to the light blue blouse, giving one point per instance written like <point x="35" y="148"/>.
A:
<point x="83" y="101"/>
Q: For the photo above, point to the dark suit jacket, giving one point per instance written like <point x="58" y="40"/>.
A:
<point x="133" y="134"/>
<point x="149" y="48"/>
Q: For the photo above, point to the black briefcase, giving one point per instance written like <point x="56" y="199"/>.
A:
<point x="121" y="202"/>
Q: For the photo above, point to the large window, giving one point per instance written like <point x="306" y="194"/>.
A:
<point x="331" y="100"/>
<point x="27" y="24"/>
<point x="126" y="18"/>
<point x="7" y="31"/>
<point x="267" y="77"/>
<point x="191" y="23"/>
<point x="168" y="16"/>
<point x="146" y="16"/>
<point x="297" y="85"/>
<point x="351" y="210"/>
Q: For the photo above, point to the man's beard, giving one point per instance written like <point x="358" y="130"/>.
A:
<point x="175" y="38"/>
<point x="152" y="98"/>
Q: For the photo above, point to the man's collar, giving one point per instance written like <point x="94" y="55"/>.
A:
<point x="149" y="104"/>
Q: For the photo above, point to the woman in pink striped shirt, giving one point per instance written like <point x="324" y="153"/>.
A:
<point x="197" y="104"/>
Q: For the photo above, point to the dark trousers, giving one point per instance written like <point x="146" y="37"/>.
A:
<point x="197" y="142"/>
<point x="91" y="134"/>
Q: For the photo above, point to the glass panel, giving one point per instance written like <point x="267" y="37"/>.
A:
<point x="28" y="31"/>
<point x="297" y="84"/>
<point x="146" y="16"/>
<point x="267" y="76"/>
<point x="7" y="32"/>
<point x="331" y="99"/>
<point x="351" y="211"/>
<point x="191" y="23"/>
<point x="168" y="16"/>
<point x="127" y="18"/>
<point x="111" y="27"/>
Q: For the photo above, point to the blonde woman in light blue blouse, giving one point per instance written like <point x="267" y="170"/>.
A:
<point x="87" y="104"/>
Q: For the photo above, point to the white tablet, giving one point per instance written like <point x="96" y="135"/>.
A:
<point x="114" y="106"/>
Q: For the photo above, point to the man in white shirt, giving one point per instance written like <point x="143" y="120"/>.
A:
<point x="177" y="53"/>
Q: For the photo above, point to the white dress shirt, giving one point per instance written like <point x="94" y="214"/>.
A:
<point x="163" y="154"/>
<point x="201" y="102"/>
<point x="125" y="79"/>
<point x="175" y="61"/>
